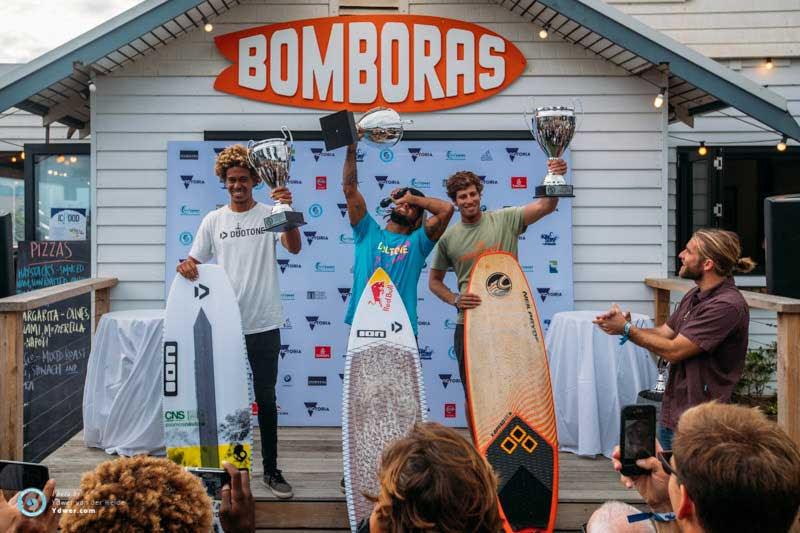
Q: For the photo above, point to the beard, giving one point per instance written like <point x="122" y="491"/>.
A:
<point x="397" y="218"/>
<point x="691" y="272"/>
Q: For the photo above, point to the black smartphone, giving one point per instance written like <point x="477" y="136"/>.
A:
<point x="637" y="438"/>
<point x="213" y="479"/>
<point x="17" y="476"/>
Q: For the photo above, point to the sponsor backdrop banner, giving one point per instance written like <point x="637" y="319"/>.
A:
<point x="316" y="284"/>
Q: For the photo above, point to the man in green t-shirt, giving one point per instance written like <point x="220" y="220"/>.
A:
<point x="478" y="232"/>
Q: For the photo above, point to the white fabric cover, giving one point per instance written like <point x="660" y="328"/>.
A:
<point x="593" y="377"/>
<point x="122" y="396"/>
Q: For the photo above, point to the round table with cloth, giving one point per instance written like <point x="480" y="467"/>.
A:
<point x="593" y="377"/>
<point x="122" y="396"/>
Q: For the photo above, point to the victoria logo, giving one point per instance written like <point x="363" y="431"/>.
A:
<point x="314" y="321"/>
<point x="319" y="152"/>
<point x="344" y="292"/>
<point x="489" y="181"/>
<point x="498" y="284"/>
<point x="314" y="407"/>
<point x="447" y="379"/>
<point x="549" y="239"/>
<point x="342" y="209"/>
<point x="283" y="264"/>
<point x="514" y="152"/>
<point x="545" y="292"/>
<point x="417" y="152"/>
<point x="312" y="236"/>
<point x="384" y="180"/>
<point x="188" y="179"/>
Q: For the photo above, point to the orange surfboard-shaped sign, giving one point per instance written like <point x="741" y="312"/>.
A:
<point x="411" y="63"/>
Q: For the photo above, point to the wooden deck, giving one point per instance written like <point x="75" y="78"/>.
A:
<point x="311" y="460"/>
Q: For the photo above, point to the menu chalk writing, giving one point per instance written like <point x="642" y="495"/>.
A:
<point x="56" y="342"/>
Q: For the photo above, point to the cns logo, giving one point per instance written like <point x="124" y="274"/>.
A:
<point x="283" y="264"/>
<point x="420" y="184"/>
<point x="346" y="239"/>
<point x="456" y="156"/>
<point x="319" y="152"/>
<point x="314" y="321"/>
<point x="386" y="155"/>
<point x="545" y="292"/>
<point x="188" y="179"/>
<point x="314" y="407"/>
<point x="187" y="211"/>
<point x="417" y="152"/>
<point x="514" y="152"/>
<point x="447" y="379"/>
<point x="549" y="239"/>
<point x="323" y="267"/>
<point x="498" y="285"/>
<point x="385" y="180"/>
<point x="287" y="296"/>
<point x="426" y="353"/>
<point x="312" y="236"/>
<point x="344" y="292"/>
<point x="315" y="210"/>
<point x="451" y="353"/>
<point x="286" y="349"/>
<point x="449" y="324"/>
<point x="185" y="238"/>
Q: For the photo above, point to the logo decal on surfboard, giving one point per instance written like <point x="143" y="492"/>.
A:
<point x="170" y="368"/>
<point x="201" y="292"/>
<point x="498" y="285"/>
<point x="382" y="294"/>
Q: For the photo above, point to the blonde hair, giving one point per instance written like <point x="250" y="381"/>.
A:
<point x="141" y="493"/>
<point x="724" y="249"/>
<point x="236" y="155"/>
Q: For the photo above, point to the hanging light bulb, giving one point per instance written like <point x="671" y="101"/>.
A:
<point x="22" y="155"/>
<point x="702" y="150"/>
<point x="73" y="159"/>
<point x="13" y="159"/>
<point x="782" y="145"/>
<point x="207" y="25"/>
<point x="658" y="101"/>
<point x="769" y="64"/>
<point x="543" y="33"/>
<point x="60" y="159"/>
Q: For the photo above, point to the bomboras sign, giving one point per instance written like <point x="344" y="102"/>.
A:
<point x="411" y="63"/>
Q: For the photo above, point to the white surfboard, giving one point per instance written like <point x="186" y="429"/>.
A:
<point x="383" y="394"/>
<point x="207" y="379"/>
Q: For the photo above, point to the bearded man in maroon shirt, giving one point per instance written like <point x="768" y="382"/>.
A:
<point x="705" y="339"/>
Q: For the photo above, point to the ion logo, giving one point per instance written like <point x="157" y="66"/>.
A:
<point x="527" y="268"/>
<point x="315" y="210"/>
<point x="317" y="381"/>
<point x="344" y="292"/>
<point x="449" y="410"/>
<point x="519" y="182"/>
<point x="313" y="407"/>
<point x="498" y="285"/>
<point x="420" y="184"/>
<point x="371" y="333"/>
<point x="322" y="352"/>
<point x="549" y="239"/>
<point x="451" y="353"/>
<point x="544" y="292"/>
<point x="287" y="296"/>
<point x="322" y="183"/>
<point x="170" y="368"/>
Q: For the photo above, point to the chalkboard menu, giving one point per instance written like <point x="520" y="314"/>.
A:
<point x="57" y="342"/>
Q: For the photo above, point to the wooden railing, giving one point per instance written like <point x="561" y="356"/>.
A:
<point x="788" y="310"/>
<point x="11" y="350"/>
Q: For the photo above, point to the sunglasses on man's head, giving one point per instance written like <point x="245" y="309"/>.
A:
<point x="664" y="457"/>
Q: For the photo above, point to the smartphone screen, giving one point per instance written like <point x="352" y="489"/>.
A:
<point x="637" y="436"/>
<point x="213" y="479"/>
<point x="19" y="476"/>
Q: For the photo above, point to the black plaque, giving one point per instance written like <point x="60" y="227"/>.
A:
<point x="338" y="129"/>
<point x="57" y="342"/>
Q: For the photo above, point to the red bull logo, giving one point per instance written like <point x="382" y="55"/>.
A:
<point x="382" y="295"/>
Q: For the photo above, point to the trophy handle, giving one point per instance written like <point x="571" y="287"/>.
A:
<point x="528" y="118"/>
<point x="250" y="159"/>
<point x="578" y="106"/>
<point x="287" y="133"/>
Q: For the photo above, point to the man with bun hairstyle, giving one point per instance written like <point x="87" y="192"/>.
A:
<point x="705" y="339"/>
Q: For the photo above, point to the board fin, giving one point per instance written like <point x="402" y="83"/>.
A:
<point x="206" y="391"/>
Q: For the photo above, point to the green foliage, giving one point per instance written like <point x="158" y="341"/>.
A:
<point x="759" y="366"/>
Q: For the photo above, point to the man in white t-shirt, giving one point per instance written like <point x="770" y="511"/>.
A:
<point x="236" y="237"/>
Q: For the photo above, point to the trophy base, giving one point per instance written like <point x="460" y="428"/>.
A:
<point x="284" y="221"/>
<point x="558" y="191"/>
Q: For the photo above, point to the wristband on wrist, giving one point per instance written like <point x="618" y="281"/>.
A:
<point x="658" y="517"/>
<point x="626" y="333"/>
<point x="456" y="301"/>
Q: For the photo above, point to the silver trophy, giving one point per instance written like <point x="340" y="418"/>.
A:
<point x="381" y="127"/>
<point x="553" y="128"/>
<point x="271" y="159"/>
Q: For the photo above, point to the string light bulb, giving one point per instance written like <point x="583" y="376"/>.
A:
<point x="60" y="159"/>
<point x="658" y="101"/>
<point x="92" y="87"/>
<point x="73" y="159"/>
<point x="13" y="159"/>
<point x="22" y="155"/>
<point x="702" y="150"/>
<point x="207" y="25"/>
<point x="769" y="64"/>
<point x="781" y="146"/>
<point x="543" y="33"/>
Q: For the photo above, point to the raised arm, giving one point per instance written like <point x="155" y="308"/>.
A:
<point x="356" y="206"/>
<point x="541" y="207"/>
<point x="440" y="210"/>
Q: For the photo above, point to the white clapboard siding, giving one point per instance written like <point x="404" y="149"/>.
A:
<point x="18" y="128"/>
<point x="616" y="157"/>
<point x="725" y="28"/>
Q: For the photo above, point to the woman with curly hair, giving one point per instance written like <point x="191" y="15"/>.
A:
<point x="138" y="494"/>
<point x="434" y="480"/>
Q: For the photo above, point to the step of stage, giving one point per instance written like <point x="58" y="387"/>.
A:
<point x="311" y="460"/>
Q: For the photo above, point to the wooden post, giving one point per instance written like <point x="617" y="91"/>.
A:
<point x="789" y="374"/>
<point x="11" y="378"/>
<point x="102" y="304"/>
<point x="662" y="306"/>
